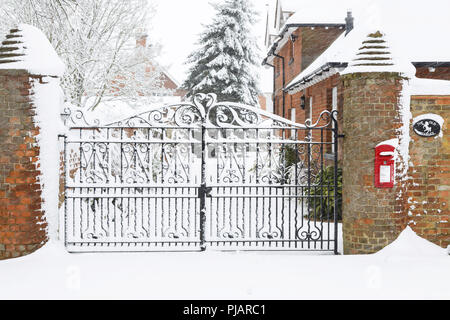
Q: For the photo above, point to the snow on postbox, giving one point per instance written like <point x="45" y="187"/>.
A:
<point x="385" y="164"/>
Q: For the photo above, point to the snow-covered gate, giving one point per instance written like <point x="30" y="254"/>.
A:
<point x="201" y="175"/>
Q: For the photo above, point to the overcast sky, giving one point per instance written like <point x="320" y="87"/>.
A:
<point x="179" y="22"/>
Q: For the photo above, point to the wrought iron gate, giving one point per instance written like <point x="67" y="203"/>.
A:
<point x="200" y="175"/>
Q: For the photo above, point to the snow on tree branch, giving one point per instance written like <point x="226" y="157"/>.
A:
<point x="226" y="61"/>
<point x="96" y="39"/>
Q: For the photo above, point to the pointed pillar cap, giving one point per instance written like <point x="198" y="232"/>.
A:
<point x="377" y="54"/>
<point x="27" y="48"/>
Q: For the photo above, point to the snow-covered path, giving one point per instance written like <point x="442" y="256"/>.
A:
<point x="411" y="268"/>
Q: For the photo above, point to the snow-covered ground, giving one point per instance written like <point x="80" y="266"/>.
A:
<point x="410" y="268"/>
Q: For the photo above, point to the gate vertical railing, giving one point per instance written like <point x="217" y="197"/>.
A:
<point x="62" y="220"/>
<point x="200" y="175"/>
<point x="203" y="191"/>
<point x="336" y="136"/>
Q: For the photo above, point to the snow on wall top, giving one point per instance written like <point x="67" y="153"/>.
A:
<point x="430" y="87"/>
<point x="376" y="54"/>
<point x="27" y="48"/>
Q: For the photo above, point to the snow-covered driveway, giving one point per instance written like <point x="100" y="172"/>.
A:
<point x="410" y="268"/>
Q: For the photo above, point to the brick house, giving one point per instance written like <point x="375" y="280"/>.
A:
<point x="175" y="93"/>
<point x="309" y="45"/>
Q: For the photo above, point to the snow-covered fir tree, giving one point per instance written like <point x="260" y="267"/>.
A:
<point x="226" y="61"/>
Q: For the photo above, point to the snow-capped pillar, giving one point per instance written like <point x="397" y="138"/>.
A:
<point x="376" y="109"/>
<point x="29" y="92"/>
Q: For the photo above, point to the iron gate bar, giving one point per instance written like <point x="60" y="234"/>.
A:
<point x="197" y="175"/>
<point x="127" y="196"/>
<point x="203" y="191"/>
<point x="336" y="152"/>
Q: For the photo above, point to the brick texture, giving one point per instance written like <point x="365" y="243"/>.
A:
<point x="321" y="94"/>
<point x="372" y="218"/>
<point x="428" y="193"/>
<point x="298" y="55"/>
<point x="22" y="225"/>
<point x="442" y="73"/>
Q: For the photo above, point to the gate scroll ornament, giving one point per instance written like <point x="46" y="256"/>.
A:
<point x="199" y="175"/>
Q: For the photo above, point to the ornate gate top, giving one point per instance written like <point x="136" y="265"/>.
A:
<point x="203" y="110"/>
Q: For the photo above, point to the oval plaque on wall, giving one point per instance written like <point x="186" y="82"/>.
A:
<point x="427" y="128"/>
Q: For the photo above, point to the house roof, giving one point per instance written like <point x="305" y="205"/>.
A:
<point x="318" y="13"/>
<point x="321" y="11"/>
<point x="290" y="5"/>
<point x="168" y="75"/>
<point x="416" y="34"/>
<point x="304" y="13"/>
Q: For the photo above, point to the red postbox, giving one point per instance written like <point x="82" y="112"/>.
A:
<point x="384" y="166"/>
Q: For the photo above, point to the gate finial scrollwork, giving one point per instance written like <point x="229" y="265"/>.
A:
<point x="325" y="119"/>
<point x="203" y="109"/>
<point x="76" y="118"/>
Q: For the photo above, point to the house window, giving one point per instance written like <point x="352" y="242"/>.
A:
<point x="292" y="51"/>
<point x="310" y="108"/>
<point x="293" y="39"/>
<point x="293" y="119"/>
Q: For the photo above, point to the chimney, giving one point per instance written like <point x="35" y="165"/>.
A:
<point x="349" y="22"/>
<point x="141" y="40"/>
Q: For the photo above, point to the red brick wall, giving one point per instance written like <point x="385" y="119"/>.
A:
<point x="298" y="55"/>
<point x="442" y="73"/>
<point x="22" y="225"/>
<point x="262" y="101"/>
<point x="168" y="83"/>
<point x="428" y="193"/>
<point x="321" y="94"/>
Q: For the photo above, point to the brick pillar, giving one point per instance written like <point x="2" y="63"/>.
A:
<point x="371" y="216"/>
<point x="376" y="109"/>
<point x="22" y="225"/>
<point x="28" y="74"/>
